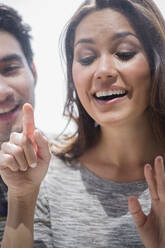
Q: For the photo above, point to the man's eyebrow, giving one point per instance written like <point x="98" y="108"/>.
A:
<point x="11" y="57"/>
<point x="116" y="36"/>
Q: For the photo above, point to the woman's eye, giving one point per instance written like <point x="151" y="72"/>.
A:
<point x="87" y="60"/>
<point x="125" y="55"/>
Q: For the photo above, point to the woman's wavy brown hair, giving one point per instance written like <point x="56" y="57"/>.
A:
<point x="149" y="25"/>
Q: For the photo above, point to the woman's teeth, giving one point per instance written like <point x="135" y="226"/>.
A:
<point x="110" y="94"/>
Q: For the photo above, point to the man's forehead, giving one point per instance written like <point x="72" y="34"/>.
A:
<point x="9" y="44"/>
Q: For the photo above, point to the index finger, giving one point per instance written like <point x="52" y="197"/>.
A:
<point x="28" y="123"/>
<point x="28" y="120"/>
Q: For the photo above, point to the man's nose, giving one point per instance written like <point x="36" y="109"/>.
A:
<point x="106" y="69"/>
<point x="5" y="90"/>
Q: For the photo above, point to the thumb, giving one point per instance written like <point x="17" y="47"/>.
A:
<point x="43" y="146"/>
<point x="136" y="212"/>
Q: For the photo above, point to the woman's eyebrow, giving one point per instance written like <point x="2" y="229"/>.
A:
<point x="116" y="36"/>
<point x="120" y="35"/>
<point x="84" y="41"/>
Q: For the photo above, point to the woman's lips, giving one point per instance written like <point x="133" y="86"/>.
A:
<point x="111" y="101"/>
<point x="107" y="97"/>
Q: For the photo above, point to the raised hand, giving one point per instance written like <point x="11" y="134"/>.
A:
<point x="151" y="228"/>
<point x="25" y="158"/>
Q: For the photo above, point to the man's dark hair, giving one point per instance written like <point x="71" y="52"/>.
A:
<point x="11" y="22"/>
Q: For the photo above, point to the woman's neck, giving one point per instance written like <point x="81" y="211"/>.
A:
<point x="123" y="151"/>
<point x="128" y="145"/>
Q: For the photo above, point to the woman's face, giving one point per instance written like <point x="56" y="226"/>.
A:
<point x="110" y="68"/>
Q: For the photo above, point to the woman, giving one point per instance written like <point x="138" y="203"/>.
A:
<point x="106" y="186"/>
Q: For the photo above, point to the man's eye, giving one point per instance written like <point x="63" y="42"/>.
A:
<point x="10" y="69"/>
<point x="87" y="60"/>
<point x="125" y="55"/>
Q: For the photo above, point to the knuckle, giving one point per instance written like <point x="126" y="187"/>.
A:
<point x="14" y="168"/>
<point x="12" y="136"/>
<point x="10" y="159"/>
<point x="18" y="151"/>
<point x="4" y="145"/>
<point x="15" y="138"/>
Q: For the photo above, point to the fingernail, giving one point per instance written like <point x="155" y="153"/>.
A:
<point x="159" y="158"/>
<point x="24" y="169"/>
<point x="33" y="165"/>
<point x="148" y="166"/>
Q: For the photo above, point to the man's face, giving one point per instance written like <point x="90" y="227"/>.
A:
<point x="17" y="82"/>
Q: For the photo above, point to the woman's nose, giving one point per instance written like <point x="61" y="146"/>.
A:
<point x="106" y="69"/>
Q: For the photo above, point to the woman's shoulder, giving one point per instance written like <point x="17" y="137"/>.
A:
<point x="59" y="167"/>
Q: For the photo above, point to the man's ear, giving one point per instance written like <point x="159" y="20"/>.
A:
<point x="34" y="72"/>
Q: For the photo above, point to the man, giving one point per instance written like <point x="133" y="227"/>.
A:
<point x="17" y="82"/>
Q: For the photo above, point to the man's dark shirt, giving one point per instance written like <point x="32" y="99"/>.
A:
<point x="3" y="206"/>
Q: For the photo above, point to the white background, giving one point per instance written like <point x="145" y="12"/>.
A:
<point x="47" y="19"/>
